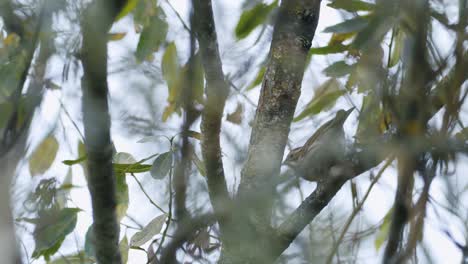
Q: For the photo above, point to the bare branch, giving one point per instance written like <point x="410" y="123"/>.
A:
<point x="97" y="21"/>
<point x="216" y="92"/>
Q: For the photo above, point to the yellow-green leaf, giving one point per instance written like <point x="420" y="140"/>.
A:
<point x="131" y="4"/>
<point x="123" y="248"/>
<point x="252" y="18"/>
<point x="116" y="36"/>
<point x="258" y="79"/>
<point x="171" y="71"/>
<point x="44" y="155"/>
<point x="325" y="96"/>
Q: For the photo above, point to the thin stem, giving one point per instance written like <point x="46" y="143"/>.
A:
<point x="146" y="194"/>
<point x="356" y="211"/>
<point x="169" y="217"/>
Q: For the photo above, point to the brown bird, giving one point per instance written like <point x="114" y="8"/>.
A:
<point x="323" y="150"/>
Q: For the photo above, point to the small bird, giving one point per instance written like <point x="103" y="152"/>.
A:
<point x="323" y="150"/>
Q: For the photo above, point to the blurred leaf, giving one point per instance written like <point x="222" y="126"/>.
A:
<point x="382" y="234"/>
<point x="236" y="116"/>
<point x="352" y="5"/>
<point x="73" y="162"/>
<point x="44" y="155"/>
<point x="79" y="258"/>
<point x="124" y="158"/>
<point x="199" y="164"/>
<point x="161" y="166"/>
<point x="172" y="75"/>
<point x="49" y="84"/>
<point x="131" y="4"/>
<point x="373" y="33"/>
<point x="90" y="242"/>
<point x="351" y="25"/>
<point x="122" y="198"/>
<point x="116" y="36"/>
<point x="150" y="139"/>
<point x="64" y="190"/>
<point x="336" y="48"/>
<point x="338" y="69"/>
<point x="197" y="80"/>
<point x="325" y="96"/>
<point x="169" y="110"/>
<point x="52" y="228"/>
<point x="252" y="18"/>
<point x="462" y="135"/>
<point x="148" y="232"/>
<point x="369" y="119"/>
<point x="152" y="36"/>
<point x="194" y="134"/>
<point x="397" y="48"/>
<point x="258" y="79"/>
<point x="339" y="38"/>
<point x="123" y="248"/>
<point x="6" y="109"/>
<point x="131" y="168"/>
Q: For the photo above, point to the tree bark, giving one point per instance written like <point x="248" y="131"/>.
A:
<point x="96" y="23"/>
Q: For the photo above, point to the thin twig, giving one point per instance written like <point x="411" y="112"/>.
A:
<point x="169" y="216"/>
<point x="62" y="106"/>
<point x="178" y="15"/>
<point x="356" y="211"/>
<point x="146" y="194"/>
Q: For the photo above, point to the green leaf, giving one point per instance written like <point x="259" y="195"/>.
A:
<point x="79" y="258"/>
<point x="373" y="33"/>
<point x="131" y="4"/>
<point x="44" y="155"/>
<point x="336" y="48"/>
<point x="52" y="228"/>
<point x="258" y="79"/>
<point x="122" y="198"/>
<point x="5" y="110"/>
<point x="73" y="162"/>
<point x="397" y="48"/>
<point x="338" y="69"/>
<point x="252" y="18"/>
<point x="153" y="36"/>
<point x="123" y="248"/>
<point x="324" y="97"/>
<point x="64" y="190"/>
<point x="90" y="242"/>
<point x="194" y="134"/>
<point x="196" y="78"/>
<point x="149" y="231"/>
<point x="171" y="73"/>
<point x="382" y="235"/>
<point x="116" y="36"/>
<point x="351" y="25"/>
<point x="199" y="164"/>
<point x="161" y="166"/>
<point x="131" y="168"/>
<point x="352" y="5"/>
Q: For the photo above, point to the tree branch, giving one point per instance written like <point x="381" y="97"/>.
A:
<point x="216" y="92"/>
<point x="281" y="88"/>
<point x="97" y="21"/>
